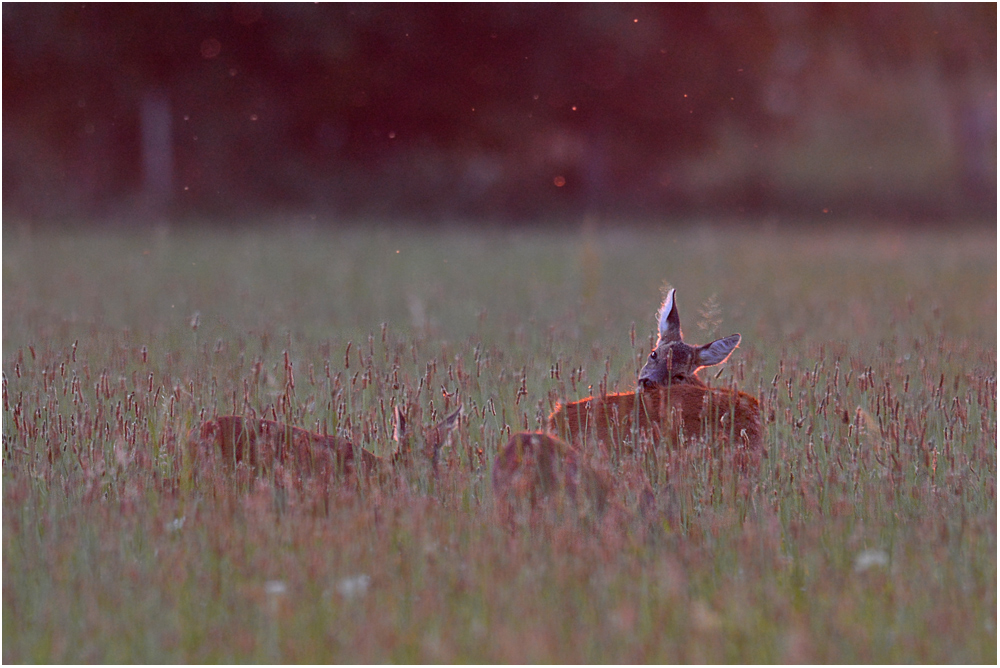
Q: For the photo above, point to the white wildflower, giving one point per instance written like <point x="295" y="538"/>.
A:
<point x="354" y="586"/>
<point x="870" y="558"/>
<point x="275" y="587"/>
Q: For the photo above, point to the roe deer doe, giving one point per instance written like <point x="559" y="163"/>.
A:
<point x="670" y="400"/>
<point x="264" y="444"/>
<point x="673" y="402"/>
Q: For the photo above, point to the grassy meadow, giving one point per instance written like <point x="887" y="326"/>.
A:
<point x="869" y="534"/>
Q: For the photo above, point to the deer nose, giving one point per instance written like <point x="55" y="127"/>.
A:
<point x="646" y="383"/>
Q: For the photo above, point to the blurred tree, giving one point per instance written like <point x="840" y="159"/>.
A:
<point x="497" y="111"/>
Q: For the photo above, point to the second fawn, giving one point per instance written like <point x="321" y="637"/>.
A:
<point x="534" y="466"/>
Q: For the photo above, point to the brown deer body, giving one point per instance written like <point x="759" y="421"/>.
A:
<point x="535" y="466"/>
<point x="674" y="413"/>
<point x="671" y="401"/>
<point x="264" y="444"/>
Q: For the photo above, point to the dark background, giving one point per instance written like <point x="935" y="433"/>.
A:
<point x="498" y="113"/>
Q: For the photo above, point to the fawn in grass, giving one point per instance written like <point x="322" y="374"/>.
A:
<point x="264" y="444"/>
<point x="534" y="466"/>
<point x="671" y="401"/>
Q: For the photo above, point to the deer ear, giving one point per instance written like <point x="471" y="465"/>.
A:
<point x="668" y="320"/>
<point x="435" y="438"/>
<point x="451" y="421"/>
<point x="398" y="424"/>
<point x="718" y="351"/>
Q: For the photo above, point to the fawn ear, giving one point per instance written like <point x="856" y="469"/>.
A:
<point x="398" y="424"/>
<point x="668" y="320"/>
<point x="717" y="351"/>
<point x="443" y="428"/>
<point x="451" y="421"/>
<point x="436" y="437"/>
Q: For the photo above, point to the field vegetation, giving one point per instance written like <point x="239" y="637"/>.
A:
<point x="867" y="535"/>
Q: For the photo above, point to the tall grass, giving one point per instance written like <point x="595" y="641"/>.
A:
<point x="868" y="535"/>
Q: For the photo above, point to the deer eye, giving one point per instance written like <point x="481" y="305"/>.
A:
<point x="652" y="355"/>
<point x="679" y="377"/>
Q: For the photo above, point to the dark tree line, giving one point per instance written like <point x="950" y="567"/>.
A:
<point x="497" y="111"/>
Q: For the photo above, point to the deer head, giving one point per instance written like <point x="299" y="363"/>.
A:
<point x="673" y="362"/>
<point x="434" y="437"/>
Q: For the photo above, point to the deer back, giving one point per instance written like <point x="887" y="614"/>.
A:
<point x="674" y="413"/>
<point x="725" y="415"/>
<point x="607" y="419"/>
<point x="263" y="444"/>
